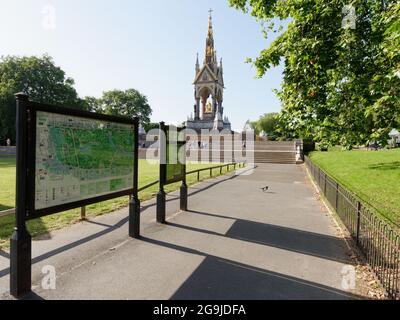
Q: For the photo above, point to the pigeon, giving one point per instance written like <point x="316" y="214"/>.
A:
<point x="265" y="189"/>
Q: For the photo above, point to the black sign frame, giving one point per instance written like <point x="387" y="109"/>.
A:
<point x="21" y="240"/>
<point x="161" y="196"/>
<point x="32" y="109"/>
<point x="179" y="145"/>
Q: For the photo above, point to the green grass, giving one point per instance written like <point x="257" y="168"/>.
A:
<point x="148" y="173"/>
<point x="374" y="176"/>
<point x="7" y="183"/>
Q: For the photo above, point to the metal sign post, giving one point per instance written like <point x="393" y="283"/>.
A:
<point x="184" y="187"/>
<point x="184" y="190"/>
<point x="161" y="197"/>
<point x="21" y="241"/>
<point x="134" y="204"/>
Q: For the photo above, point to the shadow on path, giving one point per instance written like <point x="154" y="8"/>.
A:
<point x="304" y="242"/>
<point x="222" y="279"/>
<point x="108" y="229"/>
<point x="4" y="254"/>
<point x="4" y="207"/>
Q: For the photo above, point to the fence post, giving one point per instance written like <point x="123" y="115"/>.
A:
<point x="83" y="213"/>
<point x="220" y="170"/>
<point x="211" y="173"/>
<point x="184" y="195"/>
<point x="313" y="170"/>
<point x="198" y="175"/>
<point x="325" y="184"/>
<point x="319" y="177"/>
<point x="337" y="197"/>
<point x="358" y="222"/>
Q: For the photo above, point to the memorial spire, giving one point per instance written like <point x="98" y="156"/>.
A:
<point x="210" y="51"/>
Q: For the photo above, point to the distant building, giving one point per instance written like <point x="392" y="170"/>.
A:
<point x="394" y="134"/>
<point x="209" y="90"/>
<point x="395" y="137"/>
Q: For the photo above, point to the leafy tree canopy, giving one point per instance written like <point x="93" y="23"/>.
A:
<point x="268" y="123"/>
<point x="38" y="77"/>
<point x="129" y="103"/>
<point x="151" y="126"/>
<point x="341" y="66"/>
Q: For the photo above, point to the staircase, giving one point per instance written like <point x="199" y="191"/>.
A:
<point x="283" y="152"/>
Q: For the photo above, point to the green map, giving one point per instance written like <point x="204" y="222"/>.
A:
<point x="79" y="158"/>
<point x="175" y="169"/>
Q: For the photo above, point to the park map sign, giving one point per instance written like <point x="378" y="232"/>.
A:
<point x="172" y="166"/>
<point x="79" y="158"/>
<point x="175" y="169"/>
<point x="66" y="159"/>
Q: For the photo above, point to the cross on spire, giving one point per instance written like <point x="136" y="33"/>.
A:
<point x="210" y="12"/>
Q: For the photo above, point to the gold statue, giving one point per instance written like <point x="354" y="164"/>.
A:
<point x="208" y="107"/>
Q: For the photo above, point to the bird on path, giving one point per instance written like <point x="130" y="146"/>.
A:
<point x="265" y="189"/>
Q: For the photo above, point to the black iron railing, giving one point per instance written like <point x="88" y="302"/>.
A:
<point x="379" y="243"/>
<point x="198" y="171"/>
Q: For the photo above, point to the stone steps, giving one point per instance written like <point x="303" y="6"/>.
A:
<point x="284" y="157"/>
<point x="287" y="149"/>
<point x="275" y="152"/>
<point x="264" y="153"/>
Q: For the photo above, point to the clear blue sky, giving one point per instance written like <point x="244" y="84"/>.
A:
<point x="147" y="45"/>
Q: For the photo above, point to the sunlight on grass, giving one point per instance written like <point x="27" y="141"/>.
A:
<point x="7" y="183"/>
<point x="148" y="173"/>
<point x="374" y="176"/>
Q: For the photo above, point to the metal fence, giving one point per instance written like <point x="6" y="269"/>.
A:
<point x="10" y="212"/>
<point x="198" y="171"/>
<point x="379" y="243"/>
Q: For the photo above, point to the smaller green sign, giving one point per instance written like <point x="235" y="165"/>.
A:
<point x="175" y="170"/>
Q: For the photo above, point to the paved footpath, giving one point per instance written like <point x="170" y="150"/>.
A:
<point x="236" y="242"/>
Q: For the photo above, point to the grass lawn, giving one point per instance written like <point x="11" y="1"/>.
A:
<point x="374" y="176"/>
<point x="7" y="183"/>
<point x="148" y="173"/>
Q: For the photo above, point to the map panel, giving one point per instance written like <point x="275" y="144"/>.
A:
<point x="79" y="158"/>
<point x="175" y="169"/>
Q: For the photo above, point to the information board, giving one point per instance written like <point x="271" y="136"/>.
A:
<point x="66" y="159"/>
<point x="79" y="158"/>
<point x="175" y="156"/>
<point x="175" y="171"/>
<point x="172" y="147"/>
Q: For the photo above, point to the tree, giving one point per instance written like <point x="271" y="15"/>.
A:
<point x="130" y="103"/>
<point x="267" y="123"/>
<point x="151" y="126"/>
<point x="330" y="67"/>
<point x="40" y="79"/>
<point x="92" y="104"/>
<point x="386" y="82"/>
